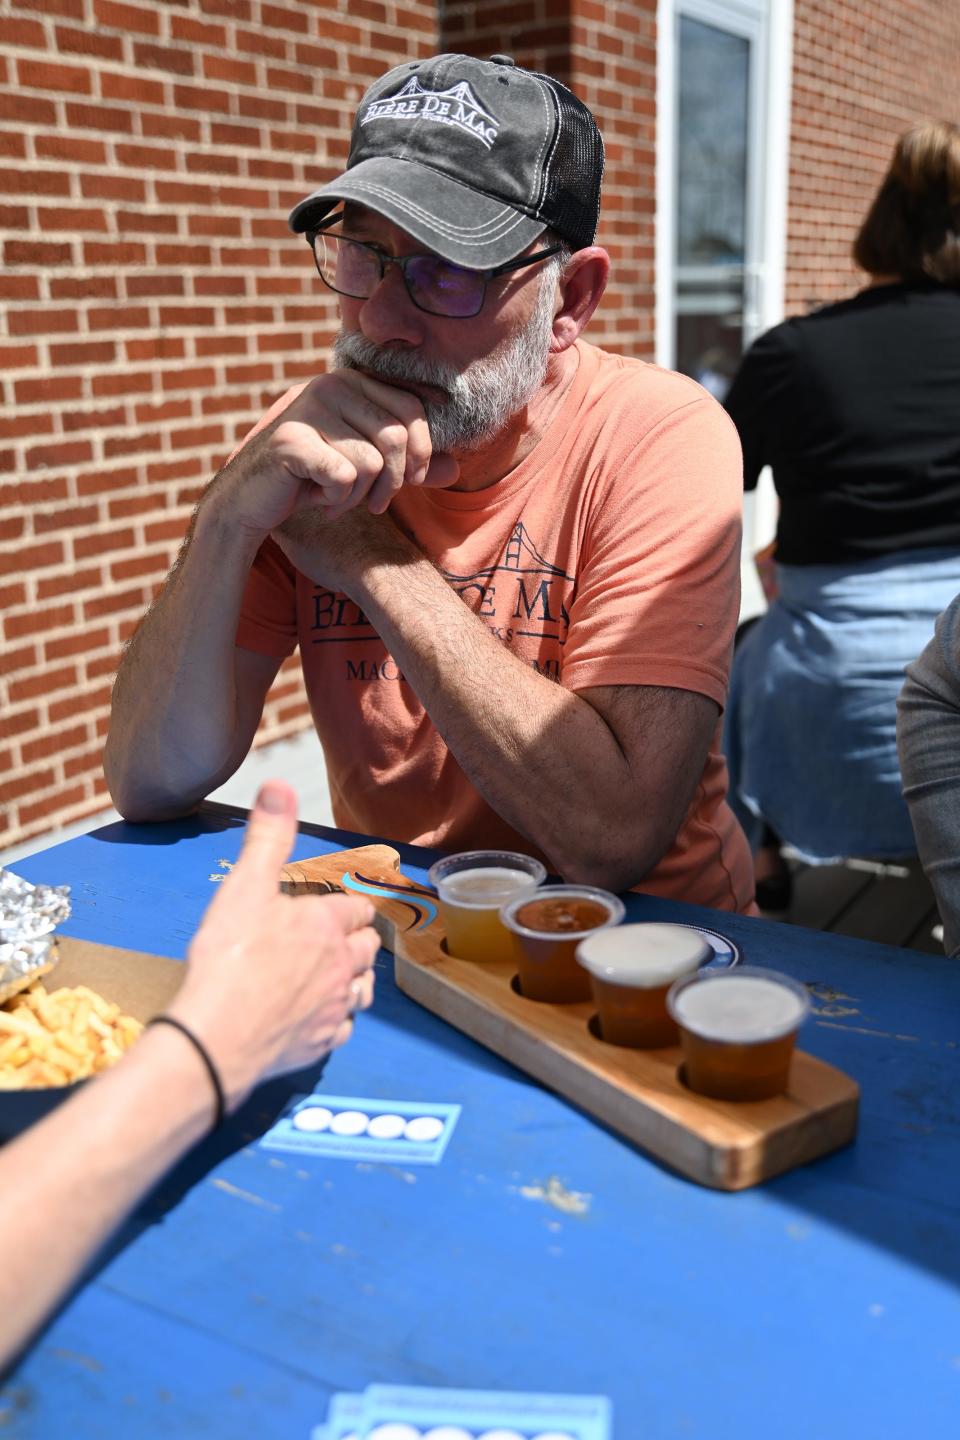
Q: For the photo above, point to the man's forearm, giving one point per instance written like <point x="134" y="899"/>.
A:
<point x="174" y="717"/>
<point x="520" y="738"/>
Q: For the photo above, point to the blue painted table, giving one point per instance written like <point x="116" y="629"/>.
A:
<point x="823" y="1304"/>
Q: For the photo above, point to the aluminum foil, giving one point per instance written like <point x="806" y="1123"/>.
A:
<point x="29" y="914"/>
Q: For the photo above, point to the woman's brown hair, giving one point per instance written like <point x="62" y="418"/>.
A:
<point x="912" y="229"/>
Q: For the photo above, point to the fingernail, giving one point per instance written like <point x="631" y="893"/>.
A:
<point x="274" y="798"/>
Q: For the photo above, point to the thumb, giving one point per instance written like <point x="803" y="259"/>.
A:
<point x="271" y="831"/>
<point x="442" y="471"/>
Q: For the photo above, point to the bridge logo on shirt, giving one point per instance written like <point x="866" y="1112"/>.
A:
<point x="522" y="597"/>
<point x="457" y="106"/>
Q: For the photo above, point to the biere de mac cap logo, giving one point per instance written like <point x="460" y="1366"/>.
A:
<point x="457" y="106"/>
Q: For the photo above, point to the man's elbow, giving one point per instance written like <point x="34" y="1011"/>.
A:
<point x="617" y="866"/>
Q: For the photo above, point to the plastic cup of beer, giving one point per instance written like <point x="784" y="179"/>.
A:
<point x="546" y="929"/>
<point x="738" y="1029"/>
<point x="631" y="968"/>
<point x="471" y="888"/>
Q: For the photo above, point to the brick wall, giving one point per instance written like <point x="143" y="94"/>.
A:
<point x="864" y="70"/>
<point x="605" y="50"/>
<point x="153" y="304"/>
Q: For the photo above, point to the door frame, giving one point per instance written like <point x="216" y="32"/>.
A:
<point x="769" y="23"/>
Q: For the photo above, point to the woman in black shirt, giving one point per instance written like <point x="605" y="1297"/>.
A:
<point x="857" y="410"/>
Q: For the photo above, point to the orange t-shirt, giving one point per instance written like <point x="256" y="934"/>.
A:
<point x="609" y="556"/>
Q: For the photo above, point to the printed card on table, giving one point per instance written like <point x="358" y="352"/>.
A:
<point x="347" y="1127"/>
<point x="412" y="1412"/>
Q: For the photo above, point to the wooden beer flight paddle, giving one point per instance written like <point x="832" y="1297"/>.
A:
<point x="639" y="1093"/>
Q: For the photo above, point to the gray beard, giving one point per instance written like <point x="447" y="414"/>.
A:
<point x="483" y="398"/>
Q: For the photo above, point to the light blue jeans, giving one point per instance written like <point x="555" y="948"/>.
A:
<point x="810" y="726"/>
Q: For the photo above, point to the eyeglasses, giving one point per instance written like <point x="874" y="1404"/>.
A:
<point x="435" y="285"/>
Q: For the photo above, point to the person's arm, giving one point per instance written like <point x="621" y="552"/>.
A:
<point x="187" y="699"/>
<point x="765" y="381"/>
<point x="928" y="739"/>
<point x="68" y="1181"/>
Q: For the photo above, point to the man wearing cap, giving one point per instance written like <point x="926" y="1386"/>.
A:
<point x="529" y="649"/>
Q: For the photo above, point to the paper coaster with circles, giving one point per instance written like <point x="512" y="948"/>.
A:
<point x="409" y="1132"/>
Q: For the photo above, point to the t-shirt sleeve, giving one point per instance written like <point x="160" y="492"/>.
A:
<point x="268" y="614"/>
<point x="658" y="594"/>
<point x="761" y="386"/>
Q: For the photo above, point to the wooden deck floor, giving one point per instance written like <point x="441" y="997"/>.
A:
<point x="892" y="904"/>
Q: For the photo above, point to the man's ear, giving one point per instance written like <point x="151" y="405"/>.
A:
<point x="581" y="288"/>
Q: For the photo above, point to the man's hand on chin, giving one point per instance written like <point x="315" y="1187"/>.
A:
<point x="336" y="552"/>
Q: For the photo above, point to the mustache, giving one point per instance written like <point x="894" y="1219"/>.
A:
<point x="353" y="351"/>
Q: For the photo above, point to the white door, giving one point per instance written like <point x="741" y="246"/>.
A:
<point x="722" y="157"/>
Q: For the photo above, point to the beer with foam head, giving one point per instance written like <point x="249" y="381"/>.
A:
<point x="631" y="968"/>
<point x="738" y="1029"/>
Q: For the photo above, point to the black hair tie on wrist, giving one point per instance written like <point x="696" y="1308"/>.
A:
<point x="201" y="1050"/>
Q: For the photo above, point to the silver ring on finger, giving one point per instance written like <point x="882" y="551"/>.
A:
<point x="356" y="995"/>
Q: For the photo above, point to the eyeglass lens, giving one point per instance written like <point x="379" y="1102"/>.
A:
<point x="433" y="284"/>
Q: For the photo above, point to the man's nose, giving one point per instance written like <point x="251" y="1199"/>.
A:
<point x="389" y="313"/>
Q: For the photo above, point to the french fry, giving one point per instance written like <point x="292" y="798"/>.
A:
<point x="58" y="1037"/>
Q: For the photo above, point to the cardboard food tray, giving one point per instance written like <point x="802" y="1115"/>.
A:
<point x="639" y="1093"/>
<point x="142" y="985"/>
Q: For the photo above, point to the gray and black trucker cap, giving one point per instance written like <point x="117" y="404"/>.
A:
<point x="473" y="158"/>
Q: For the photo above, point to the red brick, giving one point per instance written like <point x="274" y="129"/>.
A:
<point x="10" y="596"/>
<point x="12" y="527"/>
<point x="225" y="67"/>
<point x="41" y="322"/>
<point x="27" y="110"/>
<point x="196" y="437"/>
<point x="159" y="472"/>
<point x="143" y="19"/>
<point x="26" y="785"/>
<point x="71" y="220"/>
<point x="276" y="17"/>
<point x="255" y="42"/>
<point x="88" y="42"/>
<point x="22" y="724"/>
<point x="33" y="492"/>
<point x="42" y="253"/>
<point x="87" y="760"/>
<point x="64" y="79"/>
<point x="61" y="452"/>
<point x="99" y="117"/>
<point x="65" y="517"/>
<point x="51" y="804"/>
<point x="130" y="444"/>
<point x="79" y="704"/>
<point x="14" y="425"/>
<point x="16" y="31"/>
<point x="49" y="388"/>
<point x="163" y="57"/>
<point x="184" y="27"/>
<point x="135" y="88"/>
<point x="166" y="530"/>
<point x="85" y="287"/>
<point x="118" y="317"/>
<point x="163" y="347"/>
<point x="121" y="252"/>
<point x="54" y="742"/>
<point x="248" y="136"/>
<point x="259" y="107"/>
<point x="17" y="356"/>
<point x="35" y="622"/>
<point x="187" y="316"/>
<point x="31" y="181"/>
<point x="188" y="379"/>
<point x="147" y="157"/>
<point x="122" y="382"/>
<point x="32" y="557"/>
<point x="102" y="543"/>
<point x="88" y="352"/>
<point x="153" y="413"/>
<point x="95" y="481"/>
<point x="155" y="565"/>
<point x="57" y="585"/>
<point x="14" y="661"/>
<point x="113" y="602"/>
<point x="141" y="286"/>
<point x="148" y="224"/>
<point x="195" y="97"/>
<point x="170" y="126"/>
